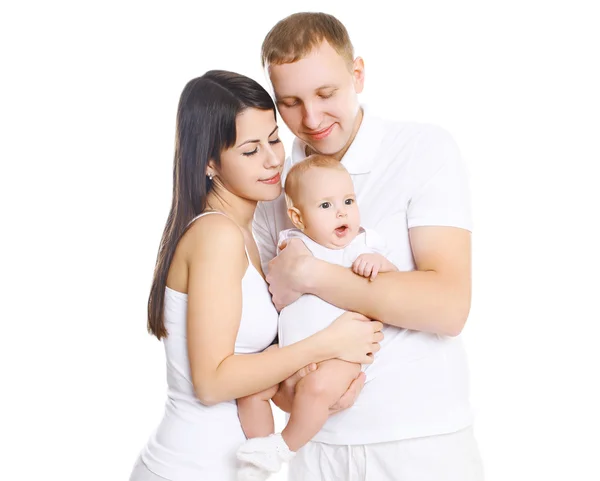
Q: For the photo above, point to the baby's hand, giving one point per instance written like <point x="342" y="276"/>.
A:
<point x="369" y="265"/>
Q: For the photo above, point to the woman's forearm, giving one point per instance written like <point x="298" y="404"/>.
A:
<point x="242" y="375"/>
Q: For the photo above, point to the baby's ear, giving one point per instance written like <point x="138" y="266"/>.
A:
<point x="296" y="218"/>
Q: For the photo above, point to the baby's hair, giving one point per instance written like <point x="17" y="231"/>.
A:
<point x="292" y="181"/>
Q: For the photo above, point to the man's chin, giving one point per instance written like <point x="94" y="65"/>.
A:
<point x="324" y="147"/>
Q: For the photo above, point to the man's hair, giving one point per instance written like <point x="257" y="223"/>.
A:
<point x="292" y="181"/>
<point x="294" y="37"/>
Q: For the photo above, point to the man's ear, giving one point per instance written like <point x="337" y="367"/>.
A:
<point x="358" y="74"/>
<point x="296" y="218"/>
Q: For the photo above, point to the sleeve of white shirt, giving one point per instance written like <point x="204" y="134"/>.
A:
<point x="265" y="234"/>
<point x="442" y="195"/>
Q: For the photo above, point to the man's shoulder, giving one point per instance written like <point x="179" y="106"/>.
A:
<point x="411" y="130"/>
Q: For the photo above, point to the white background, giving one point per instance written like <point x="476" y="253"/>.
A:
<point x="88" y="100"/>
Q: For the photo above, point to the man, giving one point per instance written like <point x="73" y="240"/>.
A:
<point x="412" y="419"/>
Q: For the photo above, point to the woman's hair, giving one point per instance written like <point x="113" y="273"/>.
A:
<point x="292" y="180"/>
<point x="294" y="37"/>
<point x="206" y="126"/>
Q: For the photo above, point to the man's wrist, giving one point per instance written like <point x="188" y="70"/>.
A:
<point x="311" y="273"/>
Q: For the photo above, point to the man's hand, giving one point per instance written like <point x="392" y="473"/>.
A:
<point x="284" y="397"/>
<point x="349" y="397"/>
<point x="287" y="273"/>
<point x="369" y="265"/>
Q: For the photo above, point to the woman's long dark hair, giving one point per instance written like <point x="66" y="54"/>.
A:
<point x="206" y="116"/>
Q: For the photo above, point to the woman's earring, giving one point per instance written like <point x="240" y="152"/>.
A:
<point x="210" y="176"/>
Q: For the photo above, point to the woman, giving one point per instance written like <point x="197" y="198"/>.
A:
<point x="209" y="302"/>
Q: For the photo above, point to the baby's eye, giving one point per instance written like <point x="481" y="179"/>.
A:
<point x="349" y="201"/>
<point x="325" y="205"/>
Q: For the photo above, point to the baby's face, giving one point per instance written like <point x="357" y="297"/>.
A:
<point x="327" y="203"/>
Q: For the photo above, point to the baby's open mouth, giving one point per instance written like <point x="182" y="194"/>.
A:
<point x="342" y="230"/>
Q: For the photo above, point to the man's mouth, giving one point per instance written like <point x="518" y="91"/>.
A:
<point x="321" y="134"/>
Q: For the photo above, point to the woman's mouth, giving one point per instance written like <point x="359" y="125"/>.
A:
<point x="272" y="180"/>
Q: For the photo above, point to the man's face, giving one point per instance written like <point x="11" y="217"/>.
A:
<point x="317" y="98"/>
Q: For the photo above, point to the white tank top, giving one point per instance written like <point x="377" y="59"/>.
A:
<point x="195" y="441"/>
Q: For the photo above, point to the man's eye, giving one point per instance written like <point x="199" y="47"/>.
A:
<point x="325" y="205"/>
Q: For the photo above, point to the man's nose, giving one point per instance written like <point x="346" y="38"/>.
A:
<point x="311" y="117"/>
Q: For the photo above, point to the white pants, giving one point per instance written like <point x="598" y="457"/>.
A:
<point x="447" y="457"/>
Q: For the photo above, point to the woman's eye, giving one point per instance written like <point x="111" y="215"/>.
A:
<point x="326" y="96"/>
<point x="248" y="154"/>
<point x="325" y="205"/>
<point x="276" y="141"/>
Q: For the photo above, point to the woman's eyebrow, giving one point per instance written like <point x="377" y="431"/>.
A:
<point x="257" y="140"/>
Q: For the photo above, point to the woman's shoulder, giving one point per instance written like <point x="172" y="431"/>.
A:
<point x="214" y="233"/>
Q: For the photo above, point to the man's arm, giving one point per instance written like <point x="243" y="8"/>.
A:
<point x="435" y="298"/>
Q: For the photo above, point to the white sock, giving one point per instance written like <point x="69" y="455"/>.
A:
<point x="250" y="472"/>
<point x="266" y="453"/>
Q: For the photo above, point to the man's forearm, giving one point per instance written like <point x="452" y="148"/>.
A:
<point x="418" y="300"/>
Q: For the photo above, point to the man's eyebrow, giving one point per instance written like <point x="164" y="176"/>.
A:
<point x="322" y="87"/>
<point x="257" y="140"/>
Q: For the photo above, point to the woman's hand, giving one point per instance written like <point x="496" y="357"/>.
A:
<point x="354" y="337"/>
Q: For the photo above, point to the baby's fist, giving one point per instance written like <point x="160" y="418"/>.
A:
<point x="368" y="265"/>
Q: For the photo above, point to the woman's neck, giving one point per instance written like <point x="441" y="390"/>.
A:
<point x="240" y="210"/>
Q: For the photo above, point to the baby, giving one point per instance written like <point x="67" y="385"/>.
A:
<point x="322" y="205"/>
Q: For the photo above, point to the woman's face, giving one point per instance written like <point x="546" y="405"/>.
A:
<point x="251" y="168"/>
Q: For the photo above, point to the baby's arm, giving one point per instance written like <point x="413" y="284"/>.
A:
<point x="369" y="265"/>
<point x="255" y="413"/>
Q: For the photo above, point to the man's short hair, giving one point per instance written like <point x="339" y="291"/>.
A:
<point x="294" y="37"/>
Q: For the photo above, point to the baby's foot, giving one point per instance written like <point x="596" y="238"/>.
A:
<point x="266" y="453"/>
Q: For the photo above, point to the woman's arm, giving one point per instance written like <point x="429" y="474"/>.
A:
<point x="217" y="264"/>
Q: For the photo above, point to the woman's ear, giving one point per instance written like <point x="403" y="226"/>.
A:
<point x="211" y="169"/>
<point x="296" y="218"/>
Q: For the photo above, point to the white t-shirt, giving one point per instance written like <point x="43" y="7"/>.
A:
<point x="405" y="175"/>
<point x="310" y="314"/>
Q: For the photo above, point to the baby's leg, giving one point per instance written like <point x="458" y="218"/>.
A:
<point x="315" y="394"/>
<point x="256" y="415"/>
